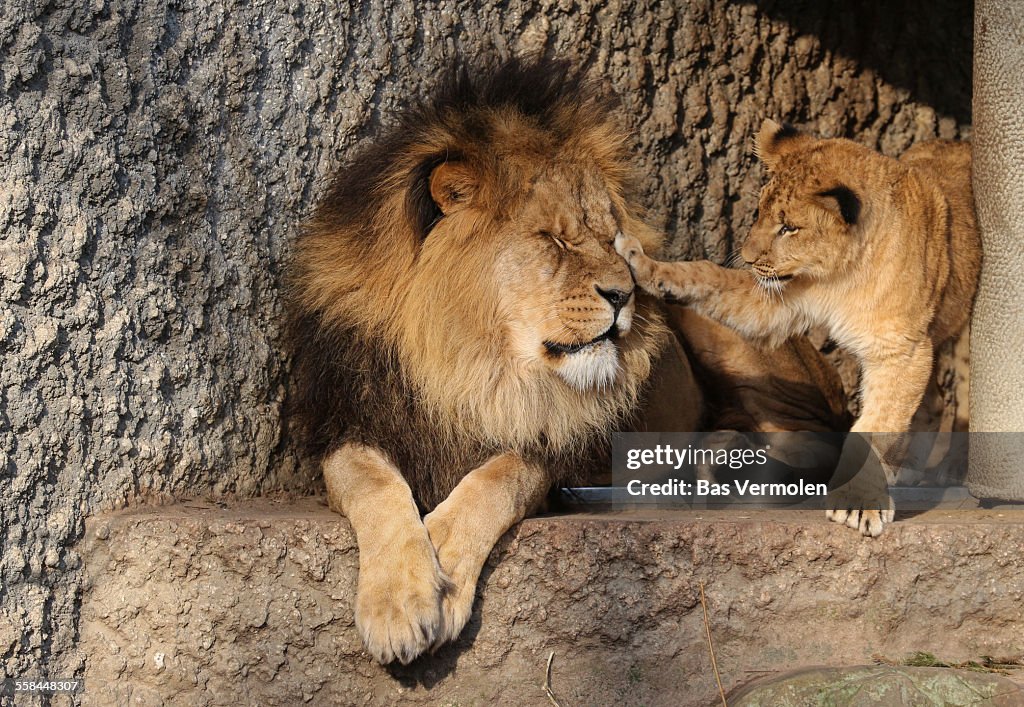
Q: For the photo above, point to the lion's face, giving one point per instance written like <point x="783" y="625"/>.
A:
<point x="484" y="265"/>
<point x="568" y="294"/>
<point x="558" y="297"/>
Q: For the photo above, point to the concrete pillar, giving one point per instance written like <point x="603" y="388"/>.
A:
<point x="996" y="467"/>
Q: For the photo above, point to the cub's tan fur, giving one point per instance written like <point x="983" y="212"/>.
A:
<point x="883" y="253"/>
<point x="466" y="337"/>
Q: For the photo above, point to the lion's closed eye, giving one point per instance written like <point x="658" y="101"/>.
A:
<point x="557" y="240"/>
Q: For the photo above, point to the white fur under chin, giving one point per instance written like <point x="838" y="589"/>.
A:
<point x="594" y="367"/>
<point x="625" y="319"/>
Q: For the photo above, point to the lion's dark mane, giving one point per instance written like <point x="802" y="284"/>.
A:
<point x="352" y="390"/>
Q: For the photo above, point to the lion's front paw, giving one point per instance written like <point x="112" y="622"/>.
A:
<point x="461" y="558"/>
<point x="456" y="608"/>
<point x="868" y="522"/>
<point x="398" y="603"/>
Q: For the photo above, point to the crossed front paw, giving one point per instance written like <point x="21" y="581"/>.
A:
<point x="462" y="561"/>
<point x="399" y="600"/>
<point x="419" y="596"/>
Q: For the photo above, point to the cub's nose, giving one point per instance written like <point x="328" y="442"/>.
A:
<point x="616" y="298"/>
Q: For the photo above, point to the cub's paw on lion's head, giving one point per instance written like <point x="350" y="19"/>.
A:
<point x="644" y="269"/>
<point x="628" y="247"/>
<point x="398" y="603"/>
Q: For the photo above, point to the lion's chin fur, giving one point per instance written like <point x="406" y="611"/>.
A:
<point x="526" y="406"/>
<point x="595" y="367"/>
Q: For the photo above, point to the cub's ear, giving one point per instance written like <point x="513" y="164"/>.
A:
<point x="437" y="187"/>
<point x="841" y="201"/>
<point x="452" y="185"/>
<point x="774" y="140"/>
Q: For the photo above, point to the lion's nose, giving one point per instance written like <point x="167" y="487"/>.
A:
<point x="617" y="298"/>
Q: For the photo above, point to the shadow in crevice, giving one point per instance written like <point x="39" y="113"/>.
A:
<point x="924" y="46"/>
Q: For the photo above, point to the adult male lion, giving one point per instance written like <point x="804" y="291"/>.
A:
<point x="466" y="337"/>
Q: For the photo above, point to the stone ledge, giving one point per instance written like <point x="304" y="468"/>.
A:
<point x="870" y="686"/>
<point x="251" y="603"/>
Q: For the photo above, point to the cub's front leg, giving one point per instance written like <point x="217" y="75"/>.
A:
<point x="893" y="383"/>
<point x="678" y="281"/>
<point x="401" y="584"/>
<point x="729" y="296"/>
<point x="465" y="527"/>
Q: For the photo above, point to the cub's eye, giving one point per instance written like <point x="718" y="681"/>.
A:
<point x="757" y="214"/>
<point x="786" y="228"/>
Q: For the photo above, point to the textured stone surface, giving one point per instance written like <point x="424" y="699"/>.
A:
<point x="155" y="157"/>
<point x="253" y="604"/>
<point x="875" y="685"/>
<point x="997" y="372"/>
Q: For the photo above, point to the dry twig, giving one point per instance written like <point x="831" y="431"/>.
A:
<point x="547" y="682"/>
<point x="711" y="647"/>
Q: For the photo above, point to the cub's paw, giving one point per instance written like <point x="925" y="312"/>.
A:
<point x="461" y="558"/>
<point x="628" y="247"/>
<point x="868" y="522"/>
<point x="398" y="603"/>
<point x="645" y="270"/>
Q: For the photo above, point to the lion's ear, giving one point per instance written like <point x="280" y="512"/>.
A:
<point x="774" y="140"/>
<point x="452" y="185"/>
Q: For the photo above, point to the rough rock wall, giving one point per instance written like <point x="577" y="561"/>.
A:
<point x="155" y="156"/>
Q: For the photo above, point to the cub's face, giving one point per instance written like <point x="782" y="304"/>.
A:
<point x="793" y="237"/>
<point x="537" y="273"/>
<point x="806" y="225"/>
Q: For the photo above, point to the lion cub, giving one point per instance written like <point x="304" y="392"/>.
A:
<point x="884" y="253"/>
